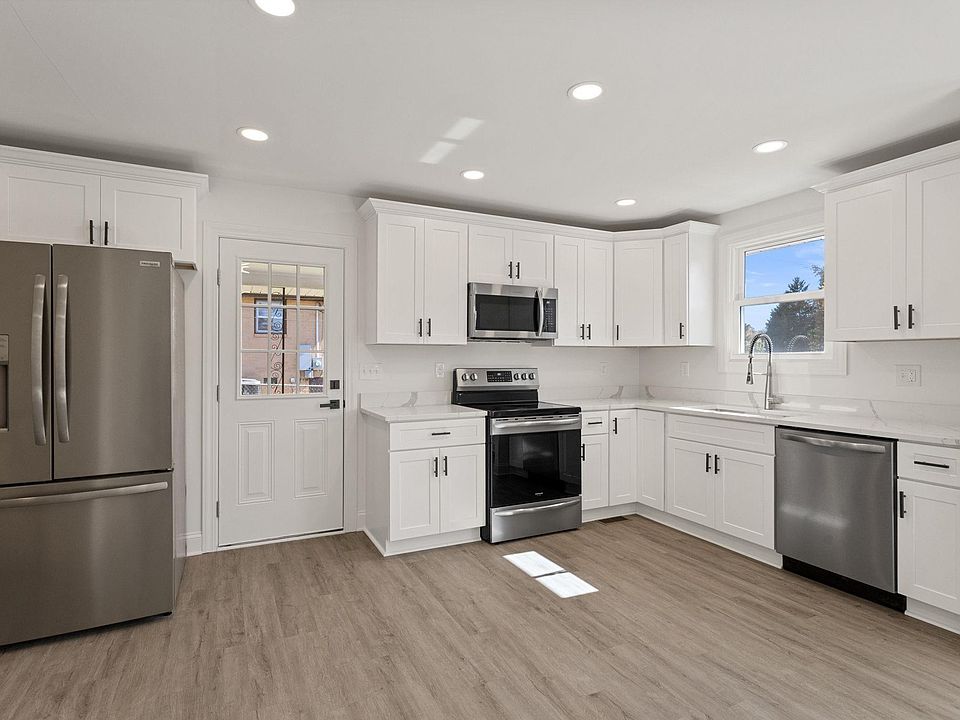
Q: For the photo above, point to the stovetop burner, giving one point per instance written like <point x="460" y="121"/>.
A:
<point x="504" y="392"/>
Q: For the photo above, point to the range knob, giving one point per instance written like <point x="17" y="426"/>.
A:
<point x="523" y="377"/>
<point x="463" y="377"/>
<point x="533" y="376"/>
<point x="473" y="376"/>
<point x="516" y="376"/>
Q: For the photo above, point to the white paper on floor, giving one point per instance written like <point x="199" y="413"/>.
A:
<point x="533" y="563"/>
<point x="566" y="585"/>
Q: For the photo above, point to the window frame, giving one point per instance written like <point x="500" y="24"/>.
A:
<point x="831" y="361"/>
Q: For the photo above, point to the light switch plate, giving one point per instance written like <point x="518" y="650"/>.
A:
<point x="603" y="368"/>
<point x="908" y="375"/>
<point x="684" y="369"/>
<point x="439" y="369"/>
<point x="371" y="371"/>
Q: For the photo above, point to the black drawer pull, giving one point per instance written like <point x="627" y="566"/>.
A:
<point x="931" y="464"/>
<point x="445" y="432"/>
<point x="595" y="422"/>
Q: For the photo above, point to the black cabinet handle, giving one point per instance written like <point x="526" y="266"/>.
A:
<point x="445" y="432"/>
<point x="436" y="466"/>
<point x="931" y="464"/>
<point x="429" y="327"/>
<point x="615" y="426"/>
<point x="716" y="464"/>
<point x="910" y="317"/>
<point x="618" y="331"/>
<point x="510" y="271"/>
<point x="91" y="232"/>
<point x="446" y="469"/>
<point x="589" y="331"/>
<point x="420" y="327"/>
<point x="707" y="468"/>
<point x="595" y="422"/>
<point x="583" y="451"/>
<point x="681" y="331"/>
<point x="583" y="331"/>
<point x="518" y="269"/>
<point x="896" y="317"/>
<point x="106" y="233"/>
<point x="903" y="504"/>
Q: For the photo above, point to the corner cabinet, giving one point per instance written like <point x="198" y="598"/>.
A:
<point x="638" y="293"/>
<point x="54" y="198"/>
<point x="688" y="285"/>
<point x="891" y="249"/>
<point x="418" y="272"/>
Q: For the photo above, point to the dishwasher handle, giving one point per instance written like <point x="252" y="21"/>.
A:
<point x="837" y="444"/>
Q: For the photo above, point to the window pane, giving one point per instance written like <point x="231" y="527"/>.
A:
<point x="284" y="281"/>
<point x="254" y="279"/>
<point x="253" y="373"/>
<point x="793" y="326"/>
<point x="311" y="285"/>
<point x="797" y="267"/>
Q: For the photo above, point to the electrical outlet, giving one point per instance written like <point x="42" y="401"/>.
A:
<point x="439" y="369"/>
<point x="908" y="375"/>
<point x="684" y="369"/>
<point x="371" y="371"/>
<point x="603" y="368"/>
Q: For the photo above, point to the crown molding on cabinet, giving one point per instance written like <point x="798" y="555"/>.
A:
<point x="376" y="205"/>
<point x="897" y="166"/>
<point x="104" y="168"/>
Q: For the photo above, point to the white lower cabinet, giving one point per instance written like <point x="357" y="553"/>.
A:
<point x="624" y="457"/>
<point x="650" y="463"/>
<point x="462" y="487"/>
<point x="691" y="487"/>
<point x="928" y="535"/>
<point x="594" y="455"/>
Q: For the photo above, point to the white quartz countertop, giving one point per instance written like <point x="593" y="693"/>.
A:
<point x="422" y="412"/>
<point x="906" y="429"/>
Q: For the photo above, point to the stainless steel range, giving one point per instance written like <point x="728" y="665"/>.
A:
<point x="533" y="453"/>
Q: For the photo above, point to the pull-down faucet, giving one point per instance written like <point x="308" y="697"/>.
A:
<point x="768" y="400"/>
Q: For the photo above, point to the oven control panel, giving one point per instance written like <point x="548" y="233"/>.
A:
<point x="486" y="378"/>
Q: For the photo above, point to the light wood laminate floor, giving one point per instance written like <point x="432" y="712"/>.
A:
<point x="326" y="628"/>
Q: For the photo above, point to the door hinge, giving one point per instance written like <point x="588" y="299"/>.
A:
<point x="218" y="508"/>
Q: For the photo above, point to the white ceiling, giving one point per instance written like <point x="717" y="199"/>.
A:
<point x="354" y="92"/>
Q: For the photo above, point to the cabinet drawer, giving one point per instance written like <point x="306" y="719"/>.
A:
<point x="726" y="433"/>
<point x="929" y="463"/>
<point x="595" y="423"/>
<point x="436" y="433"/>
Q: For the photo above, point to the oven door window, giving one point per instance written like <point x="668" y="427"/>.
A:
<point x="534" y="467"/>
<point x="502" y="312"/>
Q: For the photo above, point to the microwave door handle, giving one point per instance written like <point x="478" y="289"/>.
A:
<point x="539" y="313"/>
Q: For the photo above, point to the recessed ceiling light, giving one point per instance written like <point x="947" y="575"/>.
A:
<point x="585" y="91"/>
<point x="472" y="174"/>
<point x="770" y="146"/>
<point x="280" y="8"/>
<point x="253" y="134"/>
<point x="626" y="202"/>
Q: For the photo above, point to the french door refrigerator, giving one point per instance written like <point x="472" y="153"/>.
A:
<point x="91" y="499"/>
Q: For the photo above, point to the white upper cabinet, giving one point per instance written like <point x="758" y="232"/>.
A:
<point x="891" y="249"/>
<point x="420" y="271"/>
<point x="583" y="270"/>
<point x="638" y="293"/>
<point x="510" y="257"/>
<point x="688" y="286"/>
<point x="47" y="197"/>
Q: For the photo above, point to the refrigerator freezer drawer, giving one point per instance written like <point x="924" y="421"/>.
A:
<point x="86" y="553"/>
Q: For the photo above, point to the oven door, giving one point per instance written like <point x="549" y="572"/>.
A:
<point x="533" y="460"/>
<point x="511" y="312"/>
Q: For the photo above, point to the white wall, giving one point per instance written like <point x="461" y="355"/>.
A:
<point x="870" y="366"/>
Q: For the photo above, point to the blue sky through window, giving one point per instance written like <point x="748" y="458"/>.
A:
<point x="770" y="271"/>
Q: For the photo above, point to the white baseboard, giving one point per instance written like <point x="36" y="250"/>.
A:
<point x="933" y="615"/>
<point x="609" y="512"/>
<point x="194" y="543"/>
<point x="428" y="542"/>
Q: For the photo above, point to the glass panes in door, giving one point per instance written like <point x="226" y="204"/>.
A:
<point x="281" y="334"/>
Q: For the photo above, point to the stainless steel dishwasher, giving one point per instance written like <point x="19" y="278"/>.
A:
<point x="836" y="511"/>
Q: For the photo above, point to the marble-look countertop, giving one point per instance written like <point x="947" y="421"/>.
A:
<point x="422" y="412"/>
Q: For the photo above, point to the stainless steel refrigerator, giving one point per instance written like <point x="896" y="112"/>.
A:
<point x="92" y="492"/>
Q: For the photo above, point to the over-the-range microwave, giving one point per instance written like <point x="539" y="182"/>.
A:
<point x="511" y="312"/>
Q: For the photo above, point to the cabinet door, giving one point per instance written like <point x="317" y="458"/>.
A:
<point x="149" y="216"/>
<point x="44" y="205"/>
<point x="568" y="277"/>
<point x="675" y="289"/>
<point x="650" y="462"/>
<point x="928" y="541"/>
<point x="865" y="252"/>
<point x="598" y="291"/>
<point x="690" y="481"/>
<point x="933" y="250"/>
<point x="624" y="456"/>
<point x="414" y="493"/>
<point x="594" y="454"/>
<point x="462" y="487"/>
<point x="445" y="282"/>
<point x="745" y="495"/>
<point x="533" y="258"/>
<point x="491" y="255"/>
<point x="400" y="251"/>
<point x="638" y="293"/>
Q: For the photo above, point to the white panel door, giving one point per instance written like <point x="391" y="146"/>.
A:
<point x="651" y="461"/>
<point x="745" y="495"/>
<point x="414" y="493"/>
<point x="638" y="293"/>
<point x="149" y="216"/>
<point x="491" y="255"/>
<point x="690" y="481"/>
<point x="462" y="487"/>
<point x="44" y="205"/>
<point x="533" y="258"/>
<point x="928" y="540"/>
<point x="624" y="456"/>
<point x="933" y="250"/>
<point x="594" y="456"/>
<point x="865" y="252"/>
<point x="400" y="267"/>
<point x="598" y="291"/>
<point x="568" y="278"/>
<point x="280" y="370"/>
<point x="445" y="282"/>
<point x="675" y="291"/>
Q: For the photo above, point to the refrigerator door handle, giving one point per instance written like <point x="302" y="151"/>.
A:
<point x="36" y="359"/>
<point x="60" y="359"/>
<point x="82" y="495"/>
